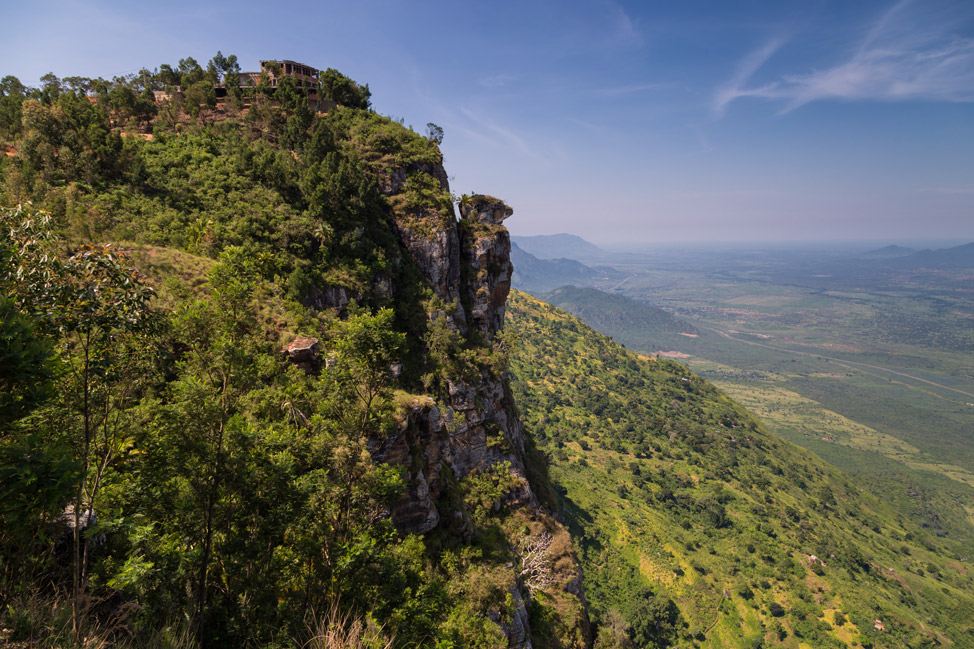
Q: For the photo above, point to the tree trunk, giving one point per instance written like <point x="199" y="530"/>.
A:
<point x="208" y="533"/>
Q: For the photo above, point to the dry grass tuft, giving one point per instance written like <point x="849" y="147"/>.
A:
<point x="337" y="630"/>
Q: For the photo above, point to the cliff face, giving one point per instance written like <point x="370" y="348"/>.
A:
<point x="474" y="429"/>
<point x="470" y="265"/>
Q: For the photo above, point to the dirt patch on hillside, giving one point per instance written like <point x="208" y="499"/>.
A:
<point x="674" y="354"/>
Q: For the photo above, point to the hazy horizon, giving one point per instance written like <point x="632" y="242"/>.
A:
<point x="866" y="245"/>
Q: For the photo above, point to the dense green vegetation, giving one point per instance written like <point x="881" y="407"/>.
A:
<point x="217" y="495"/>
<point x="678" y="496"/>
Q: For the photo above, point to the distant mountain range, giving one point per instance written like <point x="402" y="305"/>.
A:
<point x="889" y="252"/>
<point x="538" y="276"/>
<point x="557" y="246"/>
<point x="945" y="258"/>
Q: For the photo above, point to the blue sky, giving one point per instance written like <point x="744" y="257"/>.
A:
<point x="618" y="121"/>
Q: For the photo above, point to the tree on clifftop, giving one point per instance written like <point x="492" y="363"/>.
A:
<point x="338" y="88"/>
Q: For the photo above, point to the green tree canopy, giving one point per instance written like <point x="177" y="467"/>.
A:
<point x="338" y="88"/>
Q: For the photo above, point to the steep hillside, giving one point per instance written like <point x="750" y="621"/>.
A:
<point x="280" y="399"/>
<point x="698" y="528"/>
<point x="632" y="323"/>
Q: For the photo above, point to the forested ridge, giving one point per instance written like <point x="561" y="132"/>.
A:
<point x="168" y="477"/>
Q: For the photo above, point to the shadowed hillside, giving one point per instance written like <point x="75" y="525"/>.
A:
<point x="631" y="323"/>
<point x="540" y="275"/>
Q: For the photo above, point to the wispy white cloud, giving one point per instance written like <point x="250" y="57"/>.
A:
<point x="630" y="89"/>
<point x="623" y="26"/>
<point x="746" y="68"/>
<point x="489" y="131"/>
<point x="497" y="80"/>
<point x="900" y="57"/>
<point x="949" y="191"/>
<point x="595" y="127"/>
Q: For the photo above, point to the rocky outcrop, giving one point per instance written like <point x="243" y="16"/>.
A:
<point x="334" y="298"/>
<point x="486" y="250"/>
<point x="518" y="630"/>
<point x="434" y="246"/>
<point x="473" y="427"/>
<point x="469" y="263"/>
<point x="63" y="532"/>
<point x="304" y="353"/>
<point x="419" y="446"/>
<point x="438" y="256"/>
<point x="392" y="180"/>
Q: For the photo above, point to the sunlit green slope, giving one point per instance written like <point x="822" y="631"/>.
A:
<point x="675" y="494"/>
<point x="904" y="441"/>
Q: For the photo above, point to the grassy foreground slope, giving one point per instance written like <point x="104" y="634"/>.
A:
<point x="698" y="528"/>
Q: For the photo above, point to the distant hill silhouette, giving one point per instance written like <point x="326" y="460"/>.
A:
<point x="559" y="246"/>
<point x="945" y="258"/>
<point x="889" y="252"/>
<point x="538" y="276"/>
